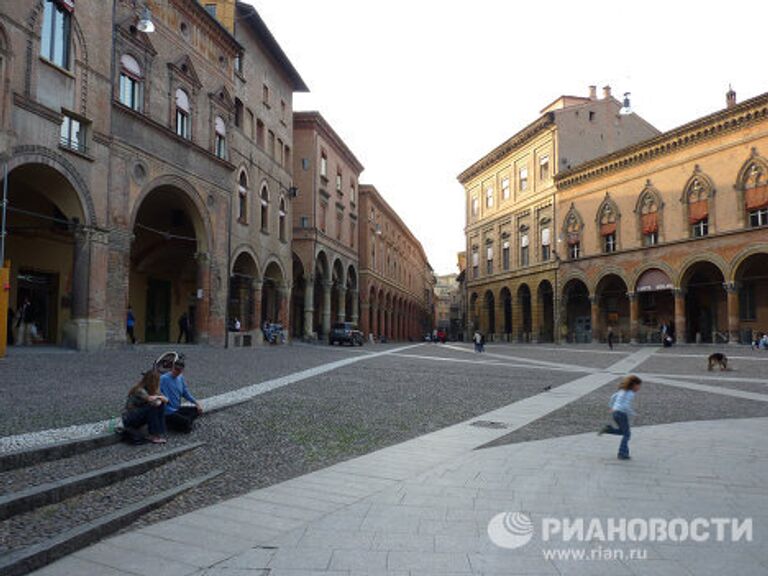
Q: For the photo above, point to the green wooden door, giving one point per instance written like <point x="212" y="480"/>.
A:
<point x="158" y="311"/>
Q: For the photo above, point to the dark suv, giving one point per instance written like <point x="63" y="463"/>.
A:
<point x="342" y="332"/>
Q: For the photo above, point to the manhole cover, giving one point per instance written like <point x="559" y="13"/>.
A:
<point x="489" y="424"/>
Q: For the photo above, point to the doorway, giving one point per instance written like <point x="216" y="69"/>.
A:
<point x="42" y="288"/>
<point x="158" y="328"/>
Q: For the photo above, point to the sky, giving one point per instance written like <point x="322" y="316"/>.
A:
<point x="419" y="90"/>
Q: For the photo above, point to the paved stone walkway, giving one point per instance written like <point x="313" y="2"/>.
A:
<point x="423" y="507"/>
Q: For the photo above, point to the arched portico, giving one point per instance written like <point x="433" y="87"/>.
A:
<point x="578" y="312"/>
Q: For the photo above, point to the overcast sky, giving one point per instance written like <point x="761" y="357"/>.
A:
<point x="421" y="89"/>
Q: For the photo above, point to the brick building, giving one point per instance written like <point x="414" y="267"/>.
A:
<point x="325" y="228"/>
<point x="396" y="280"/>
<point x="146" y="169"/>
<point x="511" y="212"/>
<point x="670" y="231"/>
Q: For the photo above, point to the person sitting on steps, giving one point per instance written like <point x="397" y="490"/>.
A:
<point x="174" y="387"/>
<point x="144" y="406"/>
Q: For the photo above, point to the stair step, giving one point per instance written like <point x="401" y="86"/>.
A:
<point x="56" y="451"/>
<point x="53" y="492"/>
<point x="25" y="560"/>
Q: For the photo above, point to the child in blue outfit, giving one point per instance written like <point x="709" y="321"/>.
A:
<point x="621" y="410"/>
<point x="174" y="388"/>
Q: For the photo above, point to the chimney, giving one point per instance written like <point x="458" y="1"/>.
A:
<point x="606" y="92"/>
<point x="730" y="98"/>
<point x="593" y="92"/>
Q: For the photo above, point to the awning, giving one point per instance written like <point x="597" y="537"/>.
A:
<point x="756" y="198"/>
<point x="650" y="222"/>
<point x="653" y="280"/>
<point x="698" y="211"/>
<point x="607" y="229"/>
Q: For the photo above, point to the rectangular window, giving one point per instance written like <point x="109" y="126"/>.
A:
<point x="700" y="229"/>
<point x="338" y="182"/>
<point x="505" y="255"/>
<point x="489" y="197"/>
<point x="182" y="123"/>
<point x="352" y="233"/>
<point x="524" y="255"/>
<point x="505" y="188"/>
<point x="489" y="260"/>
<point x="54" y="38"/>
<point x="265" y="95"/>
<point x="249" y="123"/>
<point x="758" y="217"/>
<point x="609" y="243"/>
<point x="239" y="64"/>
<point x="72" y="134"/>
<point x="747" y="302"/>
<point x="130" y="92"/>
<point x="220" y="146"/>
<point x="475" y="206"/>
<point x="352" y="191"/>
<point x="475" y="264"/>
<point x="650" y="239"/>
<point x="304" y="222"/>
<point x="574" y="250"/>
<point x="282" y="111"/>
<point x="545" y="253"/>
<point x="260" y="142"/>
<point x="271" y="143"/>
<point x="324" y="166"/>
<point x="323" y="217"/>
<point x="280" y="152"/>
<point x="544" y="168"/>
<point x="523" y="175"/>
<point x="545" y="244"/>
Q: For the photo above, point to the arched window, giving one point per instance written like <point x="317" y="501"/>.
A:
<point x="607" y="220"/>
<point x="220" y="138"/>
<point x="131" y="83"/>
<point x="573" y="234"/>
<point x="264" y="209"/>
<point x="756" y="194"/>
<point x="649" y="218"/>
<point x="182" y="113"/>
<point x="55" y="36"/>
<point x="242" y="194"/>
<point x="697" y="200"/>
<point x="281" y="224"/>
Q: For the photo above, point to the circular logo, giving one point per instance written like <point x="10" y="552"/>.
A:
<point x="510" y="530"/>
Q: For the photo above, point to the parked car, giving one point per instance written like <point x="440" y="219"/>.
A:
<point x="345" y="332"/>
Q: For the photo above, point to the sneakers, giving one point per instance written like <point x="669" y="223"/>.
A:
<point x="624" y="457"/>
<point x="603" y="430"/>
<point x="157" y="440"/>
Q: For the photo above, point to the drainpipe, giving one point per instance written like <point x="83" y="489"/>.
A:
<point x="5" y="204"/>
<point x="229" y="273"/>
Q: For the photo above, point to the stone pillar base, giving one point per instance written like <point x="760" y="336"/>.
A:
<point x="84" y="334"/>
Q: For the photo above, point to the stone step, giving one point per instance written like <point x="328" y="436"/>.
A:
<point x="56" y="451"/>
<point x="25" y="560"/>
<point x="53" y="492"/>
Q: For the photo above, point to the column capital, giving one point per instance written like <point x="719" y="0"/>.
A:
<point x="202" y="257"/>
<point x="89" y="234"/>
<point x="632" y="296"/>
<point x="257" y="284"/>
<point x="731" y="287"/>
<point x="680" y="292"/>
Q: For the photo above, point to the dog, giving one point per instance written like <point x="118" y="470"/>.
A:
<point x="718" y="358"/>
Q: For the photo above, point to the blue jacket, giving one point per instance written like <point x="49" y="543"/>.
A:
<point x="174" y="389"/>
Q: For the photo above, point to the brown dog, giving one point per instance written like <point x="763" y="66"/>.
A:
<point x="718" y="358"/>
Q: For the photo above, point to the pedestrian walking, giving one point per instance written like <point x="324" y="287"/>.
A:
<point x="130" y="324"/>
<point x="621" y="410"/>
<point x="477" y="339"/>
<point x="24" y="323"/>
<point x="610" y="337"/>
<point x="183" y="328"/>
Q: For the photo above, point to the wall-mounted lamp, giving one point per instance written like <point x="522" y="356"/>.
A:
<point x="145" y="22"/>
<point x="293" y="192"/>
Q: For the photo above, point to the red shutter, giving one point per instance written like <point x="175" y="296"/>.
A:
<point x="573" y="238"/>
<point x="756" y="198"/>
<point x="68" y="5"/>
<point x="607" y="229"/>
<point x="698" y="211"/>
<point x="650" y="222"/>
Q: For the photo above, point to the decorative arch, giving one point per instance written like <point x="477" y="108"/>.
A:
<point x="205" y="235"/>
<point x="689" y="263"/>
<point x="275" y="259"/>
<point x="245" y="248"/>
<point x="609" y="271"/>
<point x="742" y="256"/>
<point x="21" y="155"/>
<point x="638" y="272"/>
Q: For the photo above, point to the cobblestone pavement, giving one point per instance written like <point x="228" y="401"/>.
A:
<point x="422" y="506"/>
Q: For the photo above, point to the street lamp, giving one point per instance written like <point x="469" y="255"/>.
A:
<point x="145" y="22"/>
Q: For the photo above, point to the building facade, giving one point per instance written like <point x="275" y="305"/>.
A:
<point x="396" y="280"/>
<point x="672" y="231"/>
<point x="511" y="212"/>
<point x="325" y="228"/>
<point x="150" y="170"/>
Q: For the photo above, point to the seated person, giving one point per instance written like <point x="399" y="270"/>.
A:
<point x="144" y="406"/>
<point x="174" y="388"/>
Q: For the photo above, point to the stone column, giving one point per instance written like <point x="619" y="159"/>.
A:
<point x="365" y="315"/>
<point x="86" y="329"/>
<point x="341" y="312"/>
<point x="355" y="305"/>
<point x="283" y="307"/>
<point x="256" y="304"/>
<point x="732" y="295"/>
<point x="80" y="273"/>
<point x="536" y="310"/>
<point x="309" y="307"/>
<point x="634" y="316"/>
<point x="326" y="315"/>
<point x="680" y="327"/>
<point x="203" y="297"/>
<point x="594" y="302"/>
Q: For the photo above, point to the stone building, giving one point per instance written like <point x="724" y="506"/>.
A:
<point x="325" y="228"/>
<point x="145" y="169"/>
<point x="511" y="212"/>
<point x="670" y="231"/>
<point x="396" y="280"/>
